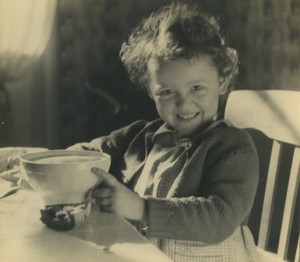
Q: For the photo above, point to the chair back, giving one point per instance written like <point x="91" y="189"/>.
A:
<point x="275" y="113"/>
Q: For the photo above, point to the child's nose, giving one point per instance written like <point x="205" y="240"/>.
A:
<point x="183" y="99"/>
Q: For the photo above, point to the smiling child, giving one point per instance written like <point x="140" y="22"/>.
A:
<point x="187" y="180"/>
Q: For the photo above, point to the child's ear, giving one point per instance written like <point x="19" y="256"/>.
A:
<point x="223" y="85"/>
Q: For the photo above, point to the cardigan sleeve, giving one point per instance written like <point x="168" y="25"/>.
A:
<point x="226" y="198"/>
<point x="117" y="143"/>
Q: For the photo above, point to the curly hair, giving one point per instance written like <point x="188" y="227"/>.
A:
<point x="177" y="31"/>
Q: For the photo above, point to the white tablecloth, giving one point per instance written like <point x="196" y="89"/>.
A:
<point x="104" y="237"/>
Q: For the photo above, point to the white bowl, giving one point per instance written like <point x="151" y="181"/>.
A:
<point x="64" y="176"/>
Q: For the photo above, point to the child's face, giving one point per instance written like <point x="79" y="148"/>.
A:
<point x="186" y="93"/>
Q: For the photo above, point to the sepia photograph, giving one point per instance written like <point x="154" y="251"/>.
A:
<point x="149" y="131"/>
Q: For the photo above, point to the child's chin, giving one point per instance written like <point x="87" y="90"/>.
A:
<point x="184" y="132"/>
<point x="191" y="130"/>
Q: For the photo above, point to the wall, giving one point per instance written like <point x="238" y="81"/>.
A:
<point x="52" y="106"/>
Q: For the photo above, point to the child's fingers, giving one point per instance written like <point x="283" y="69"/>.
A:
<point x="82" y="146"/>
<point x="104" y="201"/>
<point x="103" y="192"/>
<point x="107" y="208"/>
<point x="107" y="178"/>
<point x="79" y="146"/>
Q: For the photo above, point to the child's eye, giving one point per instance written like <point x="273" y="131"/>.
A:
<point x="166" y="92"/>
<point x="197" y="87"/>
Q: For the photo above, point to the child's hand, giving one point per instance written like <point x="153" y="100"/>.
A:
<point x="81" y="146"/>
<point x="117" y="197"/>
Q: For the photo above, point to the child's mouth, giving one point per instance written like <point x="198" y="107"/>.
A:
<point x="187" y="116"/>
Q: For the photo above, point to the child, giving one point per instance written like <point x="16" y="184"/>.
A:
<point x="188" y="179"/>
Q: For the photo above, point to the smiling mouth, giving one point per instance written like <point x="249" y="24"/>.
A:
<point x="187" y="116"/>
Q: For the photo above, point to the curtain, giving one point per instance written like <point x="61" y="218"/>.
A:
<point x="25" y="28"/>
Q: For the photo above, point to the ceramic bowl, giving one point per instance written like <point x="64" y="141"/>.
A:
<point x="64" y="176"/>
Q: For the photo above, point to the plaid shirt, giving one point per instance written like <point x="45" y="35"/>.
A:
<point x="199" y="190"/>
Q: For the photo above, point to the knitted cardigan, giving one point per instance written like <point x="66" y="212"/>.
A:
<point x="211" y="196"/>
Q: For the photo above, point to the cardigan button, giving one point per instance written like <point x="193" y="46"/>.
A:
<point x="144" y="231"/>
<point x="187" y="145"/>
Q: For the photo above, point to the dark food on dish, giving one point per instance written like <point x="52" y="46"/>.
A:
<point x="65" y="216"/>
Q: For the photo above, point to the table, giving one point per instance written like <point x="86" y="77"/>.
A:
<point x="104" y="237"/>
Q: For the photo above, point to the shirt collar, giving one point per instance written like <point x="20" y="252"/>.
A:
<point x="163" y="129"/>
<point x="187" y="142"/>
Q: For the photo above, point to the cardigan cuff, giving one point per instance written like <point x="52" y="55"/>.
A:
<point x="160" y="218"/>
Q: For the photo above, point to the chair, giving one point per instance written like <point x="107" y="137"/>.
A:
<point x="276" y="113"/>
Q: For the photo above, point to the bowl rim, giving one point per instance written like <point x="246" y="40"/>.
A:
<point x="31" y="158"/>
